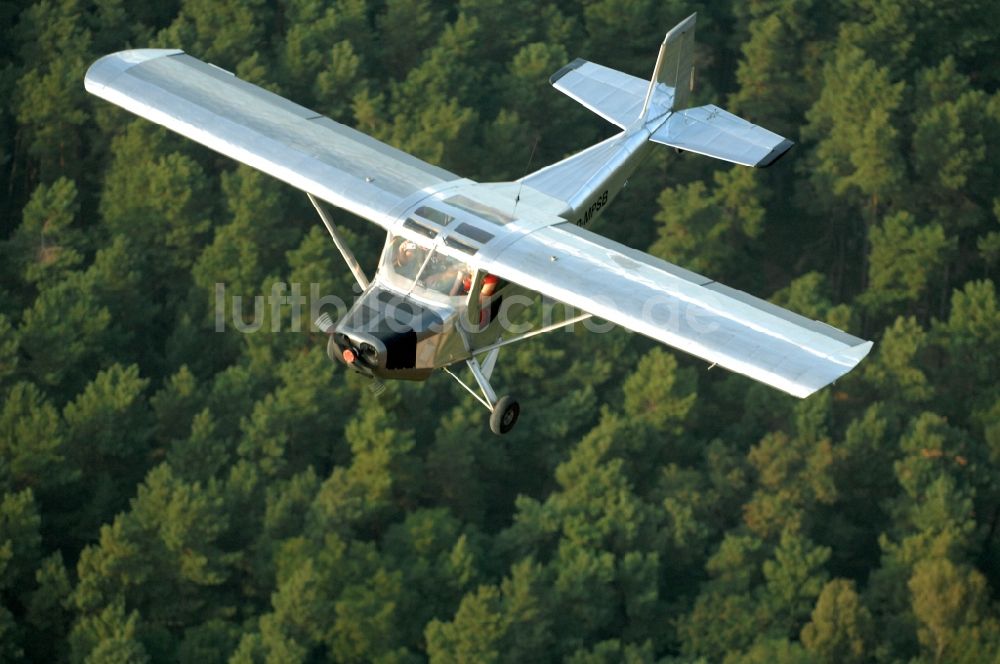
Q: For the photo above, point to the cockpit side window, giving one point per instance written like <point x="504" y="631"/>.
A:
<point x="413" y="268"/>
<point x="444" y="275"/>
<point x="406" y="257"/>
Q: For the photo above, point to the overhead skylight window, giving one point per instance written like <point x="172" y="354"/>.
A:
<point x="479" y="209"/>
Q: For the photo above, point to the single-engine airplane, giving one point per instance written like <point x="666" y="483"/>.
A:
<point x="456" y="249"/>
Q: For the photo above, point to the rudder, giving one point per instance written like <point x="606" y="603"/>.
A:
<point x="675" y="65"/>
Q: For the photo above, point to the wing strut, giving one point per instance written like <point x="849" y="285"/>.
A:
<point x="533" y="333"/>
<point x="345" y="251"/>
<point x="484" y="385"/>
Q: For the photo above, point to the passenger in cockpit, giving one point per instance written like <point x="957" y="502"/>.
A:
<point x="445" y="275"/>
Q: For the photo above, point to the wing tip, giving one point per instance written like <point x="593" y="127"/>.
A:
<point x="577" y="63"/>
<point x="107" y="68"/>
<point x="855" y="354"/>
<point x="777" y="153"/>
<point x="847" y="360"/>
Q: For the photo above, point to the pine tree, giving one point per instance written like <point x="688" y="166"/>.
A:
<point x="45" y="245"/>
<point x="712" y="231"/>
<point x="841" y="625"/>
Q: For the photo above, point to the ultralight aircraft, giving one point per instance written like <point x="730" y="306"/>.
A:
<point x="456" y="249"/>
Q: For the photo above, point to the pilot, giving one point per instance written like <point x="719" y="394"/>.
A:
<point x="446" y="276"/>
<point x="408" y="258"/>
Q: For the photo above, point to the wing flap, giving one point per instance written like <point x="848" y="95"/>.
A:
<point x="240" y="120"/>
<point x="680" y="308"/>
<point x="715" y="132"/>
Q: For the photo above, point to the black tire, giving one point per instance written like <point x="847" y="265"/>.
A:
<point x="504" y="416"/>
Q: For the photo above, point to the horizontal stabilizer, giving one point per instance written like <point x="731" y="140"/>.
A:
<point x="714" y="132"/>
<point x="615" y="96"/>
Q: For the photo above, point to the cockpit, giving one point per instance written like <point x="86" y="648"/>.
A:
<point x="411" y="268"/>
<point x="402" y="325"/>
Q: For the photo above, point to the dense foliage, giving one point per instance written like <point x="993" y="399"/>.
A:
<point x="169" y="493"/>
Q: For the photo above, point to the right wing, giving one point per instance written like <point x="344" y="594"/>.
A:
<point x="301" y="147"/>
<point x="678" y="307"/>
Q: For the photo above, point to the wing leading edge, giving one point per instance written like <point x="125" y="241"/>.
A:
<point x="680" y="308"/>
<point x="240" y="120"/>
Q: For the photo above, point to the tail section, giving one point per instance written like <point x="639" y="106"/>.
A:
<point x="625" y="99"/>
<point x="715" y="132"/>
<point x="615" y="96"/>
<point x="650" y="111"/>
<point x="674" y="67"/>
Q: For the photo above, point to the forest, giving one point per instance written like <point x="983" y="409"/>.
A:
<point x="170" y="493"/>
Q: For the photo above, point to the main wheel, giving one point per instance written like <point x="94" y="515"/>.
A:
<point x="504" y="416"/>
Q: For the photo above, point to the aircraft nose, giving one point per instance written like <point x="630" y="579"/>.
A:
<point x="358" y="354"/>
<point x="369" y="353"/>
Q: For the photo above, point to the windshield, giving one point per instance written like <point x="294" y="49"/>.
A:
<point x="412" y="268"/>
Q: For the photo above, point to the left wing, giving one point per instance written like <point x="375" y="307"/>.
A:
<point x="678" y="307"/>
<point x="290" y="142"/>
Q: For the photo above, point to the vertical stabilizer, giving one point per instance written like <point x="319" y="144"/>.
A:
<point x="675" y="65"/>
<point x="649" y="111"/>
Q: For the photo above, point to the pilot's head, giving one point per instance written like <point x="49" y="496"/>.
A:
<point x="406" y="251"/>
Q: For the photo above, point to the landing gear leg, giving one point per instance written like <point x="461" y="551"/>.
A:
<point x="504" y="410"/>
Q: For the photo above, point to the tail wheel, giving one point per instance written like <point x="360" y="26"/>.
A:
<point x="504" y="416"/>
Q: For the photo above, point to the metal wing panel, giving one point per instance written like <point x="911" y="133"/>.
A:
<point x="679" y="308"/>
<point x="715" y="132"/>
<point x="615" y="96"/>
<point x="259" y="128"/>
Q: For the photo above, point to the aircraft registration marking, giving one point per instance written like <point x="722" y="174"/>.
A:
<point x="594" y="208"/>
